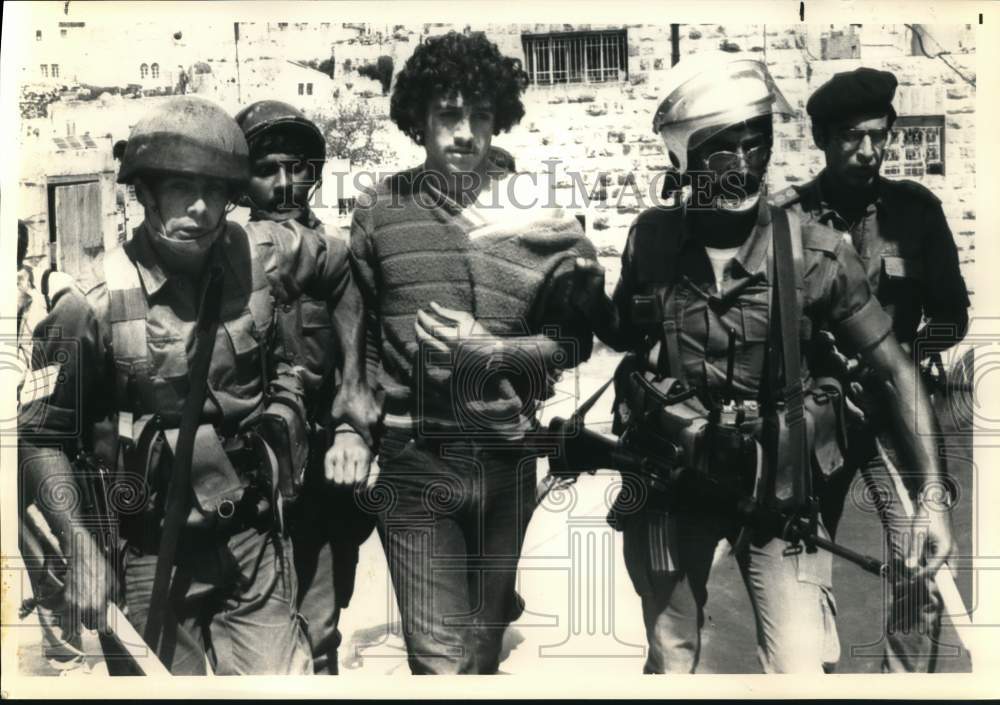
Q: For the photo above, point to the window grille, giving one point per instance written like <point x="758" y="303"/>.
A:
<point x="576" y="57"/>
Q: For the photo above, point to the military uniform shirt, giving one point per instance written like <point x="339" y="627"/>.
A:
<point x="306" y="339"/>
<point x="836" y="295"/>
<point x="906" y="248"/>
<point x="292" y="260"/>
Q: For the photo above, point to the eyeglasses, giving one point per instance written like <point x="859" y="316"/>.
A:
<point x="724" y="161"/>
<point x="852" y="138"/>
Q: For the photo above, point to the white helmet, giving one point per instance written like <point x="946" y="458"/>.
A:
<point x="708" y="92"/>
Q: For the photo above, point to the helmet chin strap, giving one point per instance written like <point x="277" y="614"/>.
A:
<point x="154" y="221"/>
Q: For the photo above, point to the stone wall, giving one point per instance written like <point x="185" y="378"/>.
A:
<point x="595" y="141"/>
<point x="599" y="136"/>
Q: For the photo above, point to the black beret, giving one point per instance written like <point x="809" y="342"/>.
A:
<point x="859" y="92"/>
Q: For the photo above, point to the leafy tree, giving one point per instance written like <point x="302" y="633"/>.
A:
<point x="350" y="130"/>
<point x="380" y="71"/>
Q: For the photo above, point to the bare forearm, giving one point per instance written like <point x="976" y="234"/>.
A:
<point x="349" y="327"/>
<point x="911" y="416"/>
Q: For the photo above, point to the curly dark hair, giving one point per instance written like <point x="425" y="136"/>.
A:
<point x="467" y="63"/>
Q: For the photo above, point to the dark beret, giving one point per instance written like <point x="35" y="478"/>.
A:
<point x="859" y="92"/>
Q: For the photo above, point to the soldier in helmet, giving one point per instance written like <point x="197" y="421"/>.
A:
<point x="699" y="287"/>
<point x="900" y="233"/>
<point x="287" y="153"/>
<point x="127" y="352"/>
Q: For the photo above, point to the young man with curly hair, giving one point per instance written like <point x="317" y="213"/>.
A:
<point x="469" y="325"/>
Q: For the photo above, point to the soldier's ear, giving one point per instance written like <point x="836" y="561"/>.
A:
<point x="820" y="135"/>
<point x="143" y="194"/>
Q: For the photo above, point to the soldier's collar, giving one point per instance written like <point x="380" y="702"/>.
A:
<point x="146" y="262"/>
<point x="752" y="255"/>
<point x="828" y="211"/>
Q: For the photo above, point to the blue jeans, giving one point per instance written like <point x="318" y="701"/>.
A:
<point x="231" y="600"/>
<point x="791" y="595"/>
<point x="452" y="521"/>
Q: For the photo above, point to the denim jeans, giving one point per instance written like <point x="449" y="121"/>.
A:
<point x="452" y="521"/>
<point x="791" y="596"/>
<point x="231" y="600"/>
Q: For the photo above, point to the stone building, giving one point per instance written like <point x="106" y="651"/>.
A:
<point x="595" y="87"/>
<point x="589" y="107"/>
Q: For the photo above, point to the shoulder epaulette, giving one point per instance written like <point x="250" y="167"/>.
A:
<point x="821" y="237"/>
<point x="786" y="198"/>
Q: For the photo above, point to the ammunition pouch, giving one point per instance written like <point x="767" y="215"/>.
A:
<point x="216" y="487"/>
<point x="283" y="429"/>
<point x="662" y="418"/>
<point x="231" y="481"/>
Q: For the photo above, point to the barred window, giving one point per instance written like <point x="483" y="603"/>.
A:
<point x="45" y="70"/>
<point x="144" y="71"/>
<point x="916" y="147"/>
<point x="155" y="70"/>
<point x="576" y="57"/>
<point x="55" y="70"/>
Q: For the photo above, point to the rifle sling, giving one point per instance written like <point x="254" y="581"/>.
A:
<point x="785" y="363"/>
<point x="178" y="502"/>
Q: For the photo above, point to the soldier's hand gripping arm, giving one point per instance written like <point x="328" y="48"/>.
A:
<point x="608" y="316"/>
<point x="862" y="325"/>
<point x="70" y="367"/>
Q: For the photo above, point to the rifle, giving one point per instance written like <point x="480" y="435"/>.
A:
<point x="573" y="449"/>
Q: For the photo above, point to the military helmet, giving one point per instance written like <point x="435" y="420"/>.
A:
<point x="260" y="118"/>
<point x="707" y="93"/>
<point x="187" y="135"/>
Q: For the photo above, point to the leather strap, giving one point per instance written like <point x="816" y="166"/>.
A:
<point x="179" y="493"/>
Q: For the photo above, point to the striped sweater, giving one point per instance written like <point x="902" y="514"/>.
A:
<point x="413" y="245"/>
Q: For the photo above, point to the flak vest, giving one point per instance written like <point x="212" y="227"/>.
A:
<point x="143" y="387"/>
<point x="151" y="385"/>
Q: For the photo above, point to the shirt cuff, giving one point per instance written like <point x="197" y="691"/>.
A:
<point x="866" y="327"/>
